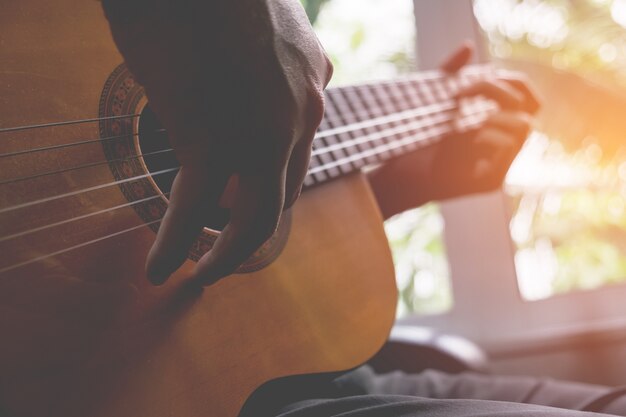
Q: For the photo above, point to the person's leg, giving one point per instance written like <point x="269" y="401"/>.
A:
<point x="515" y="389"/>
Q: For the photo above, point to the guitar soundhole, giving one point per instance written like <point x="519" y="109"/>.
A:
<point x="132" y="147"/>
<point x="159" y="156"/>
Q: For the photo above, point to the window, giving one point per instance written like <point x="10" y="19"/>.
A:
<point x="568" y="186"/>
<point x="351" y="33"/>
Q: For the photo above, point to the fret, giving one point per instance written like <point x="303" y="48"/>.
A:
<point x="410" y="94"/>
<point x="407" y="142"/>
<point x="383" y="97"/>
<point x="371" y="123"/>
<point x="330" y="118"/>
<point x="346" y="118"/>
<point x="366" y="94"/>
<point x="347" y="99"/>
<point x="394" y="104"/>
<point x="430" y="94"/>
<point x="453" y="85"/>
<point x="473" y="110"/>
<point x="417" y="94"/>
<point x="399" y="103"/>
<point x="314" y="161"/>
<point x="375" y="107"/>
<point x="317" y="161"/>
<point x="427" y="94"/>
<point x="411" y="98"/>
<point x="409" y="127"/>
<point x="400" y="117"/>
<point x="336" y="121"/>
<point x="385" y="104"/>
<point x="372" y="107"/>
<point x="438" y="86"/>
<point x="388" y="100"/>
<point x="414" y="100"/>
<point x="359" y="104"/>
<point x="327" y="123"/>
<point x="433" y="86"/>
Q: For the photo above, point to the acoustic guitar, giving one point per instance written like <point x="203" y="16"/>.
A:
<point x="85" y="171"/>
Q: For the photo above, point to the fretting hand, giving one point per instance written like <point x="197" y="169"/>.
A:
<point x="239" y="87"/>
<point x="462" y="163"/>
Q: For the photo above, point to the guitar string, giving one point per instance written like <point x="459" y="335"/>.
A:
<point x="82" y="217"/>
<point x="107" y="118"/>
<point x="85" y="190"/>
<point x="329" y="119"/>
<point x="99" y="186"/>
<point x="425" y="110"/>
<point x="110" y="138"/>
<point x="44" y="227"/>
<point x="128" y="116"/>
<point x="381" y="149"/>
<point x="324" y="167"/>
<point x="433" y="75"/>
<point x="377" y="135"/>
<point x="109" y="236"/>
<point x="84" y="166"/>
<point x="359" y="126"/>
<point x="332" y="119"/>
<point x="421" y="136"/>
<point x="67" y="122"/>
<point x="72" y="144"/>
<point x="75" y="247"/>
<point x="409" y="114"/>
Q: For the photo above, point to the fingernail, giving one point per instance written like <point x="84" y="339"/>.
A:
<point x="295" y="197"/>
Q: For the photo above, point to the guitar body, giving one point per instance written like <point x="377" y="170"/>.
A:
<point x="82" y="332"/>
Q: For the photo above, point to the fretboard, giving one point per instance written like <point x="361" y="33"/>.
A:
<point x="371" y="123"/>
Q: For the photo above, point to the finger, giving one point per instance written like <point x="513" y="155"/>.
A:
<point x="301" y="153"/>
<point x="497" y="149"/>
<point x="300" y="160"/>
<point x="504" y="94"/>
<point x="297" y="171"/>
<point x="532" y="103"/>
<point x="327" y="64"/>
<point x="195" y="192"/>
<point x="517" y="123"/>
<point x="459" y="58"/>
<point x="330" y="70"/>
<point x="254" y="218"/>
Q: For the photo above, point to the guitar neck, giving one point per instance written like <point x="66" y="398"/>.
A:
<point x="371" y="123"/>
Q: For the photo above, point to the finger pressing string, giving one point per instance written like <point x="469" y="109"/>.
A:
<point x="532" y="102"/>
<point x="502" y="93"/>
<point x="459" y="58"/>
<point x="518" y="123"/>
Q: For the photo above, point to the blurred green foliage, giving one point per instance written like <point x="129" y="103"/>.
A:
<point x="415" y="237"/>
<point x="584" y="36"/>
<point x="419" y="255"/>
<point x="313" y="8"/>
<point x="573" y="233"/>
<point x="582" y="243"/>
